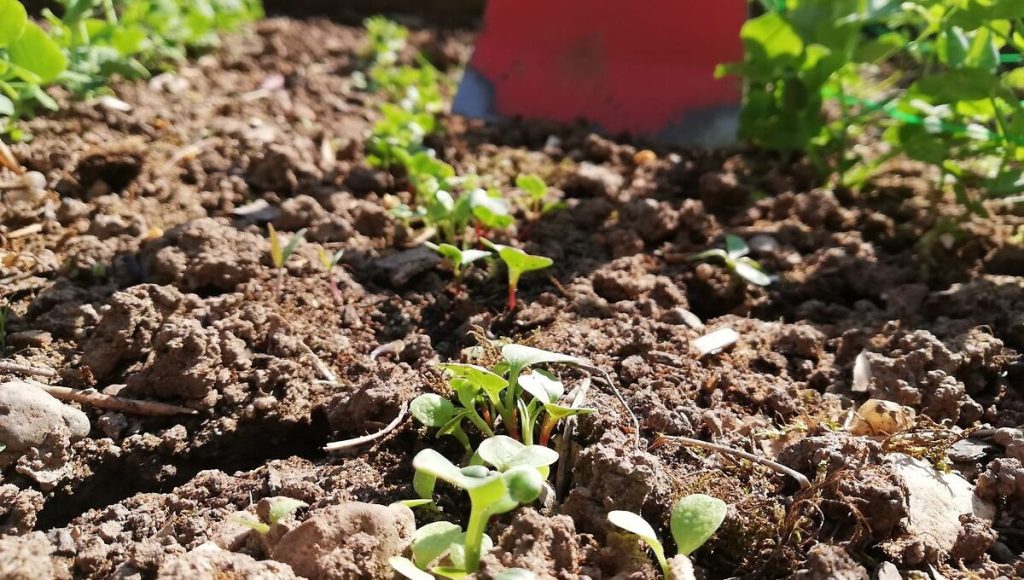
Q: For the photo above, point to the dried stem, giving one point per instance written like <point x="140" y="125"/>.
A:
<point x="28" y="370"/>
<point x="356" y="442"/>
<point x="112" y="403"/>
<point x="773" y="465"/>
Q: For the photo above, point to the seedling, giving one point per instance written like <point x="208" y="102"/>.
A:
<point x="736" y="261"/>
<point x="279" y="510"/>
<point x="329" y="261"/>
<point x="695" y="518"/>
<point x="537" y="192"/>
<point x="518" y="263"/>
<point x="459" y="259"/>
<point x="486" y="394"/>
<point x="279" y="254"/>
<point x="490" y="493"/>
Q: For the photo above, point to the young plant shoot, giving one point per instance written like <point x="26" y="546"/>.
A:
<point x="518" y="263"/>
<point x="484" y="395"/>
<point x="279" y="254"/>
<point x="329" y="261"/>
<point x="695" y="518"/>
<point x="491" y="492"/>
<point x="459" y="259"/>
<point x="736" y="261"/>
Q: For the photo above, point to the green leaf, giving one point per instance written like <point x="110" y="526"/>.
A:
<point x="36" y="52"/>
<point x="561" y="412"/>
<point x="695" y="518"/>
<point x="515" y="574"/>
<point x="457" y="555"/>
<point x="12" y="21"/>
<point x="735" y="247"/>
<point x="542" y="386"/>
<point x="519" y="356"/>
<point x="283" y="507"/>
<point x="635" y="524"/>
<point x="432" y="541"/>
<point x="983" y="52"/>
<point x="6" y="106"/>
<point x="958" y="85"/>
<point x="432" y="410"/>
<point x="406" y="568"/>
<point x="533" y="185"/>
<point x="524" y="484"/>
<point x="770" y="37"/>
<point x="478" y="375"/>
<point x="505" y="453"/>
<point x="952" y="46"/>
<point x="519" y="262"/>
<point x="751" y="271"/>
<point x="251" y="523"/>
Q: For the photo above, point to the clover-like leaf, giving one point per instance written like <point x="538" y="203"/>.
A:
<point x="406" y="568"/>
<point x="695" y="518"/>
<point x="635" y="524"/>
<point x="490" y="382"/>
<point x="519" y="356"/>
<point x="543" y="386"/>
<point x="432" y="410"/>
<point x="432" y="541"/>
<point x="499" y="450"/>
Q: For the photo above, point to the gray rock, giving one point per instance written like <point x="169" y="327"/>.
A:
<point x="29" y="417"/>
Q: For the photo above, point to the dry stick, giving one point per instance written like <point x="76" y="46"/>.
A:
<point x="565" y="441"/>
<point x="112" y="403"/>
<point x="356" y="442"/>
<point x="611" y="385"/>
<point x="774" y="466"/>
<point x="320" y="366"/>
<point x="13" y="367"/>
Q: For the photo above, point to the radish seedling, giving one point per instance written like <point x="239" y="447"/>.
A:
<point x="279" y="254"/>
<point x="490" y="493"/>
<point x="736" y="261"/>
<point x="329" y="261"/>
<point x="695" y="518"/>
<point x="537" y="192"/>
<point x="546" y="390"/>
<point x="458" y="258"/>
<point x="518" y="263"/>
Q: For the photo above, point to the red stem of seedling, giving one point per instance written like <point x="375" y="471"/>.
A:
<point x="485" y="414"/>
<point x="546" y="428"/>
<point x="335" y="291"/>
<point x="513" y="426"/>
<point x="511" y="297"/>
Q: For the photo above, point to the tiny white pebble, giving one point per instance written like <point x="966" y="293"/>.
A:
<point x="716" y="341"/>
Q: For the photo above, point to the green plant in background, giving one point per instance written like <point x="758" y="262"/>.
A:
<point x="485" y="395"/>
<point x="518" y="263"/>
<point x="957" y="108"/>
<point x="95" y="40"/>
<point x="279" y="254"/>
<point x="459" y="259"/>
<point x="736" y="261"/>
<point x="695" y="518"/>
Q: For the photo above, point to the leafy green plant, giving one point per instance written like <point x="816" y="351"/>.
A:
<point x="94" y="40"/>
<point x="536" y="191"/>
<point x="484" y="395"/>
<point x="491" y="493"/>
<point x="279" y="509"/>
<point x="518" y="263"/>
<point x="695" y="518"/>
<point x="279" y="254"/>
<point x="956" y="106"/>
<point x="736" y="261"/>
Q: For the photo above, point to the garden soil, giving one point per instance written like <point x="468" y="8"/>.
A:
<point x="145" y="272"/>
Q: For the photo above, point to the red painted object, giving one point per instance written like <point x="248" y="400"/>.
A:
<point x="645" y="67"/>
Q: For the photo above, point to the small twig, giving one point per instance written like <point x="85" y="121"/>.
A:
<point x="13" y="367"/>
<point x="618" y="395"/>
<point x="558" y="285"/>
<point x="773" y="465"/>
<point x="25" y="231"/>
<point x="566" y="440"/>
<point x="112" y="403"/>
<point x="8" y="160"/>
<point x="394" y="347"/>
<point x="356" y="442"/>
<point x="320" y="366"/>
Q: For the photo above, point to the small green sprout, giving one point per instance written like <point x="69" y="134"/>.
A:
<point x="736" y="261"/>
<point x="485" y="394"/>
<point x="518" y="263"/>
<point x="329" y="261"/>
<point x="279" y="510"/>
<point x="537" y="191"/>
<point x="490" y="493"/>
<point x="459" y="258"/>
<point x="695" y="518"/>
<point x="279" y="254"/>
